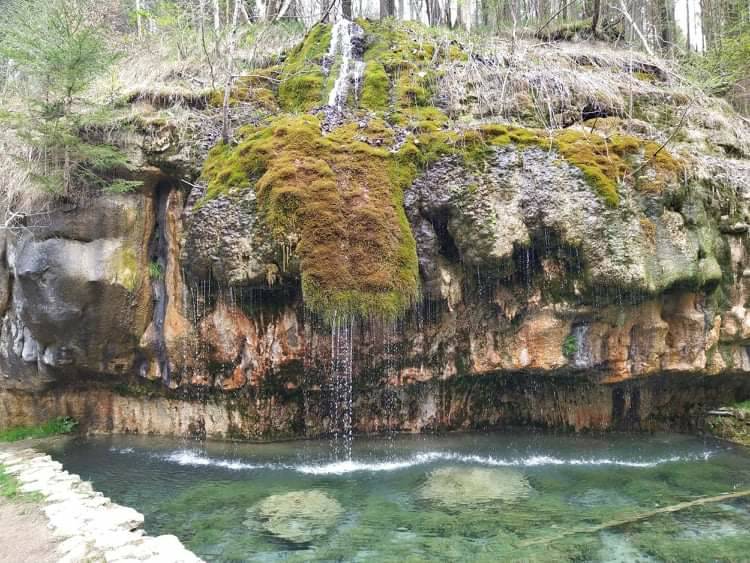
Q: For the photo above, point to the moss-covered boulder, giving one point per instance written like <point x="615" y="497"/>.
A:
<point x="336" y="202"/>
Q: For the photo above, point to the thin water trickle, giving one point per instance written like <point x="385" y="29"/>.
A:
<point x="340" y="376"/>
<point x="582" y="357"/>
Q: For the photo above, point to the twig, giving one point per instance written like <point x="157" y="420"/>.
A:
<point x="624" y="10"/>
<point x="636" y="518"/>
<point x="557" y="13"/>
<point x="665" y="143"/>
<point x="325" y="14"/>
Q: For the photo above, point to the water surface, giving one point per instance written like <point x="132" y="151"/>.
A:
<point x="461" y="497"/>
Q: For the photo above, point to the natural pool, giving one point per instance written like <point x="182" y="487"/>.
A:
<point x="460" y="497"/>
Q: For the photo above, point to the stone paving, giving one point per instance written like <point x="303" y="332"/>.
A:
<point x="90" y="526"/>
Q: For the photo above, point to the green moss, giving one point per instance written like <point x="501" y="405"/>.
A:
<point x="124" y="268"/>
<point x="61" y="425"/>
<point x="375" y="87"/>
<point x="645" y="76"/>
<point x="570" y="346"/>
<point x="302" y="79"/>
<point x="254" y="89"/>
<point x="333" y="198"/>
<point x="406" y="57"/>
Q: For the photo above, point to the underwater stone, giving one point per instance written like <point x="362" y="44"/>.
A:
<point x="456" y="486"/>
<point x="298" y="516"/>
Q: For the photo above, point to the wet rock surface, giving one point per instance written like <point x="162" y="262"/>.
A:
<point x="525" y="272"/>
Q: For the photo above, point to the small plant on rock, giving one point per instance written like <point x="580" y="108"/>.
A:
<point x="570" y="346"/>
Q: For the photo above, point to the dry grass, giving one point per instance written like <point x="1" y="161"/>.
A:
<point x="182" y="66"/>
<point x="19" y="196"/>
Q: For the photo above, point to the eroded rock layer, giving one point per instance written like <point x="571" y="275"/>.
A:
<point x="480" y="259"/>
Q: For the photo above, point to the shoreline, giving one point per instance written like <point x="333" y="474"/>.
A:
<point x="86" y="525"/>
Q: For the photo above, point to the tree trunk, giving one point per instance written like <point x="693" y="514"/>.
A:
<point x="665" y="16"/>
<point x="225" y="133"/>
<point x="595" y="11"/>
<point x="387" y="8"/>
<point x="217" y="16"/>
<point x="138" y="21"/>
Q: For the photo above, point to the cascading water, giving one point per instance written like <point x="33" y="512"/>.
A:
<point x="582" y="357"/>
<point x="346" y="41"/>
<point x="341" y="386"/>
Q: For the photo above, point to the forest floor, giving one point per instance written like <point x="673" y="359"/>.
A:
<point x="24" y="535"/>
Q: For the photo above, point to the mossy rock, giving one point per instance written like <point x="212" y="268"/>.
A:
<point x="337" y="201"/>
<point x="299" y="516"/>
<point x="302" y="79"/>
<point x="453" y="487"/>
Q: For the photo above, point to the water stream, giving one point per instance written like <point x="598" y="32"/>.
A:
<point x="345" y="38"/>
<point x="460" y="497"/>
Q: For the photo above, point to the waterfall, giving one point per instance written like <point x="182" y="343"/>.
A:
<point x="347" y="41"/>
<point x="582" y="357"/>
<point x="341" y="386"/>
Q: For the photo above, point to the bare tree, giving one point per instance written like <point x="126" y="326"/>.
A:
<point x="217" y="17"/>
<point x="231" y="47"/>
<point x="138" y="21"/>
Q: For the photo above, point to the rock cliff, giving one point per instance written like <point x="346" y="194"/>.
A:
<point x="551" y="235"/>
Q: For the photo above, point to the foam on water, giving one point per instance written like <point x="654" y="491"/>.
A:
<point x="198" y="459"/>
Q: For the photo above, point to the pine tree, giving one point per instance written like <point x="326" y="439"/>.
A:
<point x="60" y="53"/>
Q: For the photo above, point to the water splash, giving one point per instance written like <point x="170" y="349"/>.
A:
<point x="195" y="458"/>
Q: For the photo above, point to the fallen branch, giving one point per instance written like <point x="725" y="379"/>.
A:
<point x="636" y="518"/>
<point x="549" y="21"/>
<point x="623" y="9"/>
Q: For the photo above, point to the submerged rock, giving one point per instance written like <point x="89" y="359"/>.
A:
<point x="456" y="486"/>
<point x="298" y="516"/>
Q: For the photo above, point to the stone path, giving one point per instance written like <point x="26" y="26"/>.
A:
<point x="88" y="525"/>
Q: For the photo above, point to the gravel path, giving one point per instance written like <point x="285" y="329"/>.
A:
<point x="24" y="535"/>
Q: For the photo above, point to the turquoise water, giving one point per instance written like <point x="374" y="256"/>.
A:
<point x="461" y="497"/>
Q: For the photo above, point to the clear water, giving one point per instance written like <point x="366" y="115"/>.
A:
<point x="403" y="498"/>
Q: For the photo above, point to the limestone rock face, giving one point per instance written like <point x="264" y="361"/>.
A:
<point x="226" y="239"/>
<point x="527" y="201"/>
<point x="168" y="311"/>
<point x="80" y="292"/>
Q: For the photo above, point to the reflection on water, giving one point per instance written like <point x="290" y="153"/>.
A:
<point x="472" y="497"/>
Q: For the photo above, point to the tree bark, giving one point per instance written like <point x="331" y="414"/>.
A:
<point x="225" y="133"/>
<point x="595" y="12"/>
<point x="138" y="22"/>
<point x="387" y="8"/>
<point x="666" y="19"/>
